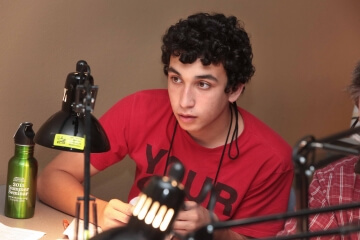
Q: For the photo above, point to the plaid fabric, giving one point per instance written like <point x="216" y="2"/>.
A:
<point x="332" y="185"/>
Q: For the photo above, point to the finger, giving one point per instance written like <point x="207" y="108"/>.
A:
<point x="186" y="215"/>
<point x="189" y="212"/>
<point x="120" y="206"/>
<point x="117" y="211"/>
<point x="188" y="205"/>
<point x="181" y="226"/>
<point x="118" y="216"/>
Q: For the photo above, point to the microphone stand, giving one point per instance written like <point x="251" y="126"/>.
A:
<point x="207" y="231"/>
<point x="303" y="172"/>
<point x="305" y="168"/>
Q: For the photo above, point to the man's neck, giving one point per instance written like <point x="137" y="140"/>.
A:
<point x="218" y="135"/>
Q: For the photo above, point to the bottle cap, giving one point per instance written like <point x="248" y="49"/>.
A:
<point x="25" y="134"/>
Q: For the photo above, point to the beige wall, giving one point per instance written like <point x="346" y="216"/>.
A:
<point x="304" y="52"/>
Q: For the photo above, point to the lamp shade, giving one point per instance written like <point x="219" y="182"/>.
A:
<point x="65" y="130"/>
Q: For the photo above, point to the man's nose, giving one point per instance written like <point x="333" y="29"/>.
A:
<point x="187" y="98"/>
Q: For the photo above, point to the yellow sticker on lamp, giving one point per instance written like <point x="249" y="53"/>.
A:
<point x="62" y="140"/>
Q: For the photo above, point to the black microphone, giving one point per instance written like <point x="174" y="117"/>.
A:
<point x="155" y="210"/>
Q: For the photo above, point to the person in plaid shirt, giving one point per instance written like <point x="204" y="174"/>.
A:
<point x="337" y="183"/>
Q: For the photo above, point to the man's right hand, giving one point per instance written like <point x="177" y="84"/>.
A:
<point x="60" y="184"/>
<point x="116" y="214"/>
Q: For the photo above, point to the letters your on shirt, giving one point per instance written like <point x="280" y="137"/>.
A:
<point x="190" y="180"/>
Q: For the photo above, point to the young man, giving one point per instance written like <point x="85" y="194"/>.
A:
<point x="207" y="60"/>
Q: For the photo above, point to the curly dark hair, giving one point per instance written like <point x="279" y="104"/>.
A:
<point x="354" y="88"/>
<point x="214" y="39"/>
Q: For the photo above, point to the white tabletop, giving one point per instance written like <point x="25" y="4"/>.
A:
<point x="46" y="219"/>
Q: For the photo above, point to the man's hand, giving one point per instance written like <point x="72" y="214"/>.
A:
<point x="191" y="218"/>
<point x="116" y="214"/>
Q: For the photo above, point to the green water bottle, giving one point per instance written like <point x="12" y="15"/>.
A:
<point x="21" y="176"/>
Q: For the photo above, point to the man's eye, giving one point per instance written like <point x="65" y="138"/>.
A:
<point x="204" y="85"/>
<point x="175" y="79"/>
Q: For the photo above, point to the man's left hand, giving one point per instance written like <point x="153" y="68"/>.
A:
<point x="192" y="217"/>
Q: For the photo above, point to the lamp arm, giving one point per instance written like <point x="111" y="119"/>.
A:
<point x="206" y="231"/>
<point x="87" y="151"/>
<point x="87" y="108"/>
<point x="340" y="230"/>
<point x="335" y="148"/>
<point x="308" y="144"/>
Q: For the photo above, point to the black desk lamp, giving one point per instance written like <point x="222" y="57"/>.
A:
<point x="75" y="129"/>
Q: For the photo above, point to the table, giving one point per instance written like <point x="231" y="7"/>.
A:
<point x="45" y="219"/>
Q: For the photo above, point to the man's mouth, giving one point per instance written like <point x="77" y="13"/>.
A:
<point x="186" y="117"/>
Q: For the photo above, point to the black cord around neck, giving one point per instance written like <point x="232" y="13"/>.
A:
<point x="234" y="137"/>
<point x="171" y="144"/>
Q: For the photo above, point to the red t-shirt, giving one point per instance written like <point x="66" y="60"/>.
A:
<point x="257" y="183"/>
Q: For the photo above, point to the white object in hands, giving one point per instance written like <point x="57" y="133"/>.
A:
<point x="134" y="201"/>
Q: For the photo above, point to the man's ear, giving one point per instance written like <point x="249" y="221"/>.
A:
<point x="234" y="95"/>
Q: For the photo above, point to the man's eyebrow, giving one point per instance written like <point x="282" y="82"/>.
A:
<point x="170" y="69"/>
<point x="206" y="76"/>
